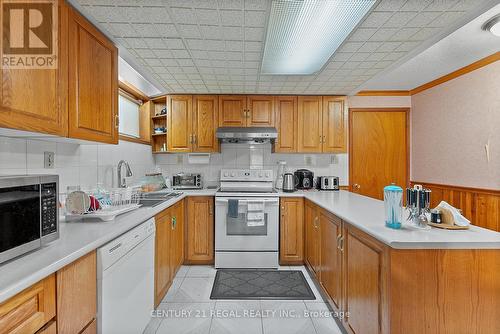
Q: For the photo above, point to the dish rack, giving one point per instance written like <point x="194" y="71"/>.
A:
<point x="112" y="203"/>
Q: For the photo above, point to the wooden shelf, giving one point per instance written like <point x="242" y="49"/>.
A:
<point x="159" y="116"/>
<point x="159" y="134"/>
<point x="160" y="152"/>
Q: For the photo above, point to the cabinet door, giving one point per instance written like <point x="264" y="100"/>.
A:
<point x="331" y="262"/>
<point x="292" y="231"/>
<point x="179" y="123"/>
<point x="77" y="294"/>
<point x="205" y="123"/>
<point x="36" y="99"/>
<point x="310" y="124"/>
<point x="286" y="123"/>
<point x="365" y="261"/>
<point x="312" y="237"/>
<point x="260" y="110"/>
<point x="31" y="309"/>
<point x="334" y="125"/>
<point x="162" y="255"/>
<point x="93" y="83"/>
<point x="200" y="230"/>
<point x="232" y="110"/>
<point x="177" y="237"/>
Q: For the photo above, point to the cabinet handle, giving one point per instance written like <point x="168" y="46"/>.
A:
<point x="341" y="244"/>
<point x="210" y="210"/>
<point x="338" y="240"/>
<point x="117" y="121"/>
<point x="195" y="139"/>
<point x="173" y="222"/>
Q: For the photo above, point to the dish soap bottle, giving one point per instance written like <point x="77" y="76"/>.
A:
<point x="393" y="205"/>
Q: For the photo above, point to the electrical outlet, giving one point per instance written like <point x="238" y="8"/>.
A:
<point x="309" y="160"/>
<point x="48" y="159"/>
<point x="180" y="159"/>
<point x="334" y="159"/>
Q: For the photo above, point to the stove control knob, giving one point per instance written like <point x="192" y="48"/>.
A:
<point x="260" y="174"/>
<point x="233" y="174"/>
<point x="226" y="174"/>
<point x="267" y="174"/>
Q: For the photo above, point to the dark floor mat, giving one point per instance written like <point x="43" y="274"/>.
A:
<point x="261" y="284"/>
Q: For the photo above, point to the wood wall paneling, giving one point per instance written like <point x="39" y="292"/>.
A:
<point x="480" y="206"/>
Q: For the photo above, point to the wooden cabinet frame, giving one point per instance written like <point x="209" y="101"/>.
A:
<point x="291" y="230"/>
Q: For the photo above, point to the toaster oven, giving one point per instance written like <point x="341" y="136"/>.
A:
<point x="187" y="181"/>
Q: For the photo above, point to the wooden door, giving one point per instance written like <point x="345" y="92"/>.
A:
<point x="36" y="99"/>
<point x="292" y="231"/>
<point x="286" y="123"/>
<point x="200" y="230"/>
<point x="31" y="309"/>
<point x="77" y="294"/>
<point x="310" y="123"/>
<point x="312" y="237"/>
<point x="179" y="123"/>
<point x="163" y="273"/>
<point x="365" y="286"/>
<point x="93" y="83"/>
<point x="177" y="237"/>
<point x="232" y="110"/>
<point x="260" y="110"/>
<point x="378" y="150"/>
<point x="205" y="123"/>
<point x="331" y="262"/>
<point x="334" y="125"/>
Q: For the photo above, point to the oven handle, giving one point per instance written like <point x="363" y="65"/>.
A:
<point x="243" y="202"/>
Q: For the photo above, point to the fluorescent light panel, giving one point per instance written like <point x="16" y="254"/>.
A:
<point x="303" y="34"/>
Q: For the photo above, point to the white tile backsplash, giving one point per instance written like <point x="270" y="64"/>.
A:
<point x="84" y="165"/>
<point x="256" y="156"/>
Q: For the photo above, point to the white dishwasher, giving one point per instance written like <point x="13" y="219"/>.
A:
<point x="125" y="281"/>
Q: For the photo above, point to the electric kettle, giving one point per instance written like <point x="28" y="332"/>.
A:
<point x="290" y="181"/>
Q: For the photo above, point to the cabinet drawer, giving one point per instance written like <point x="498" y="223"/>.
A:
<point x="29" y="310"/>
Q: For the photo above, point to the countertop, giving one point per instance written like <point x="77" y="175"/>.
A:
<point x="79" y="238"/>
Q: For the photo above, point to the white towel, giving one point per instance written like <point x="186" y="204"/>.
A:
<point x="255" y="213"/>
<point x="457" y="217"/>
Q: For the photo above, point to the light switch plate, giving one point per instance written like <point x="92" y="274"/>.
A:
<point x="48" y="159"/>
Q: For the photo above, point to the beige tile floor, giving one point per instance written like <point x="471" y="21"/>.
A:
<point x="187" y="308"/>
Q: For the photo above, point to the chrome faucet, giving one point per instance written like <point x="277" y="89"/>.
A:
<point x="122" y="183"/>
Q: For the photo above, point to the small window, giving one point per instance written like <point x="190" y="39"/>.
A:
<point x="128" y="111"/>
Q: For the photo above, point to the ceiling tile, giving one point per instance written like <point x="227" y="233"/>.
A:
<point x="184" y="15"/>
<point x="391" y="5"/>
<point x="232" y="33"/>
<point x="230" y="4"/>
<point x="399" y="19"/>
<point x="146" y="30"/>
<point x="166" y="30"/>
<point x="189" y="31"/>
<point x="211" y="32"/>
<point x="207" y="16"/>
<point x="254" y="34"/>
<point x="423" y="19"/>
<point x="362" y="34"/>
<point x="388" y="46"/>
<point x="180" y="53"/>
<point x="174" y="43"/>
<point x="376" y="19"/>
<point x="255" y="18"/>
<point x="383" y="34"/>
<point x="253" y="46"/>
<point x="231" y="17"/>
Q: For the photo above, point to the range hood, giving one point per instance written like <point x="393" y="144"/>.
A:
<point x="247" y="135"/>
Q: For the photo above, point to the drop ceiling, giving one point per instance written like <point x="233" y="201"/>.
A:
<point x="209" y="46"/>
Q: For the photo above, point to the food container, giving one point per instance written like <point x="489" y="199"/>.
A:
<point x="393" y="205"/>
<point x="152" y="182"/>
<point x="436" y="216"/>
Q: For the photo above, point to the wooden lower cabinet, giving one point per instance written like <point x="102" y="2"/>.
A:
<point x="200" y="230"/>
<point x="31" y="309"/>
<point x="91" y="328"/>
<point x="77" y="295"/>
<point x="169" y="248"/>
<point x="331" y="259"/>
<point x="291" y="230"/>
<point x="312" y="231"/>
<point x="364" y="276"/>
<point x="50" y="328"/>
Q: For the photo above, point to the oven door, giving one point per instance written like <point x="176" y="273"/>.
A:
<point x="243" y="233"/>
<point x="19" y="217"/>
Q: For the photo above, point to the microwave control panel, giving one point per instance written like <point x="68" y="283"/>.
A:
<point x="49" y="208"/>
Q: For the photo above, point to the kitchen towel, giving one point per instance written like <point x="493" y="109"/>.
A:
<point x="232" y="208"/>
<point x="255" y="213"/>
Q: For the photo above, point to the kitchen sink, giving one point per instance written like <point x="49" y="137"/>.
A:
<point x="154" y="199"/>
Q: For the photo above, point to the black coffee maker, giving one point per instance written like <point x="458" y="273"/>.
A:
<point x="305" y="178"/>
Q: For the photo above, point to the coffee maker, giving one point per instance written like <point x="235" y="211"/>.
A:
<point x="305" y="179"/>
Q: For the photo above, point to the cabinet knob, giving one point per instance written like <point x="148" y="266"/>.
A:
<point x="356" y="186"/>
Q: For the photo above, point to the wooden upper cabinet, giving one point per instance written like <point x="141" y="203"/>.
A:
<point x="77" y="295"/>
<point x="31" y="309"/>
<point x="36" y="100"/>
<point x="260" y="110"/>
<point x="93" y="82"/>
<point x="292" y="231"/>
<point x="310" y="124"/>
<point x="334" y="125"/>
<point x="205" y="123"/>
<point x="286" y="123"/>
<point x="200" y="230"/>
<point x="179" y="132"/>
<point x="232" y="110"/>
<point x="331" y="262"/>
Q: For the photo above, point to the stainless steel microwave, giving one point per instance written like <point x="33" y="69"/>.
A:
<point x="29" y="215"/>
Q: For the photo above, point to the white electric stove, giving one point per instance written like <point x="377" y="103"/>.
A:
<point x="246" y="220"/>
